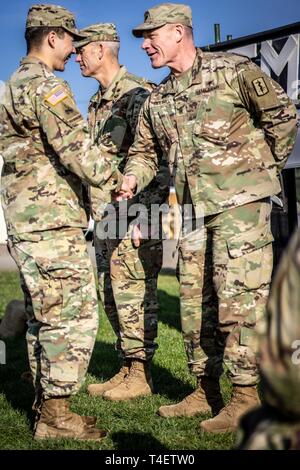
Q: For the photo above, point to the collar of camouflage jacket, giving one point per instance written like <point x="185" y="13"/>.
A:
<point x="114" y="89"/>
<point x="194" y="76"/>
<point x="35" y="61"/>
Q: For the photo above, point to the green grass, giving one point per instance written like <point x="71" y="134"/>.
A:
<point x="132" y="425"/>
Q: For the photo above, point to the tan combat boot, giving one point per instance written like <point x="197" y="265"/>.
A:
<point x="56" y="421"/>
<point x="137" y="383"/>
<point x="205" y="399"/>
<point x="243" y="399"/>
<point x="99" y="389"/>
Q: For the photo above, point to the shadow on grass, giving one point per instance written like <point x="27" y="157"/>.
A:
<point x="169" y="313"/>
<point x="19" y="394"/>
<point x="105" y="364"/>
<point x="135" y="441"/>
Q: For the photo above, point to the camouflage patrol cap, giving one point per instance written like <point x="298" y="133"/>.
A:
<point x="98" y="32"/>
<point x="162" y="14"/>
<point x="52" y="15"/>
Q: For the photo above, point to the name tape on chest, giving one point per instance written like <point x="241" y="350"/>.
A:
<point x="56" y="96"/>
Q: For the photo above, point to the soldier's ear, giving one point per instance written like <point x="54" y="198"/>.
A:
<point x="100" y="50"/>
<point x="51" y="38"/>
<point x="179" y="31"/>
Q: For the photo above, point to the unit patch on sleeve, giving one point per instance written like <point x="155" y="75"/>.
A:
<point x="260" y="89"/>
<point x="56" y="96"/>
<point x="260" y="86"/>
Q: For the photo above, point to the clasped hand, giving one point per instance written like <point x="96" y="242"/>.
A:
<point x="127" y="190"/>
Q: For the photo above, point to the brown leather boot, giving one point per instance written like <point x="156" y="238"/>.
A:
<point x="117" y="379"/>
<point x="205" y="399"/>
<point x="57" y="421"/>
<point x="243" y="399"/>
<point x="88" y="420"/>
<point x="137" y="383"/>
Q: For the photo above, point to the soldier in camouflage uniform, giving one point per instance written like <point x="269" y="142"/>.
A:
<point x="47" y="152"/>
<point x="227" y="129"/>
<point x="276" y="424"/>
<point x="127" y="266"/>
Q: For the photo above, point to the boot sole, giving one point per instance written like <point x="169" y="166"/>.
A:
<point x="187" y="415"/>
<point x="128" y="398"/>
<point x="41" y="437"/>
<point x="100" y="394"/>
<point x="50" y="433"/>
<point x="218" y="431"/>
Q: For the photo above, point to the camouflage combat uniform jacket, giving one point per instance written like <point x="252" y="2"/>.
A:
<point x="113" y="117"/>
<point x="47" y="151"/>
<point x="226" y="127"/>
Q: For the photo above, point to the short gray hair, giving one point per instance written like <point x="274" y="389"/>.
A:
<point x="114" y="48"/>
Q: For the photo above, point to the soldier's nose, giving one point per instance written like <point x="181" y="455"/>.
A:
<point x="145" y="44"/>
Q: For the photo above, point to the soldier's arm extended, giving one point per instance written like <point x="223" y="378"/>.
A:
<point x="68" y="134"/>
<point x="270" y="108"/>
<point x="143" y="154"/>
<point x="158" y="189"/>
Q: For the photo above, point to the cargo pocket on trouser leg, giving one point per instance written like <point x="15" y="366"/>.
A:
<point x="61" y="291"/>
<point x="249" y="257"/>
<point x="69" y="325"/>
<point x="67" y="290"/>
<point x="243" y="300"/>
<point x="137" y="263"/>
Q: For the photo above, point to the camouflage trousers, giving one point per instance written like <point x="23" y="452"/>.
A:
<point x="62" y="329"/>
<point x="127" y="279"/>
<point x="266" y="429"/>
<point x="225" y="268"/>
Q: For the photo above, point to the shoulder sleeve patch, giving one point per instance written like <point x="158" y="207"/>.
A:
<point x="61" y="103"/>
<point x="261" y="90"/>
<point x="260" y="86"/>
<point x="56" y="96"/>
